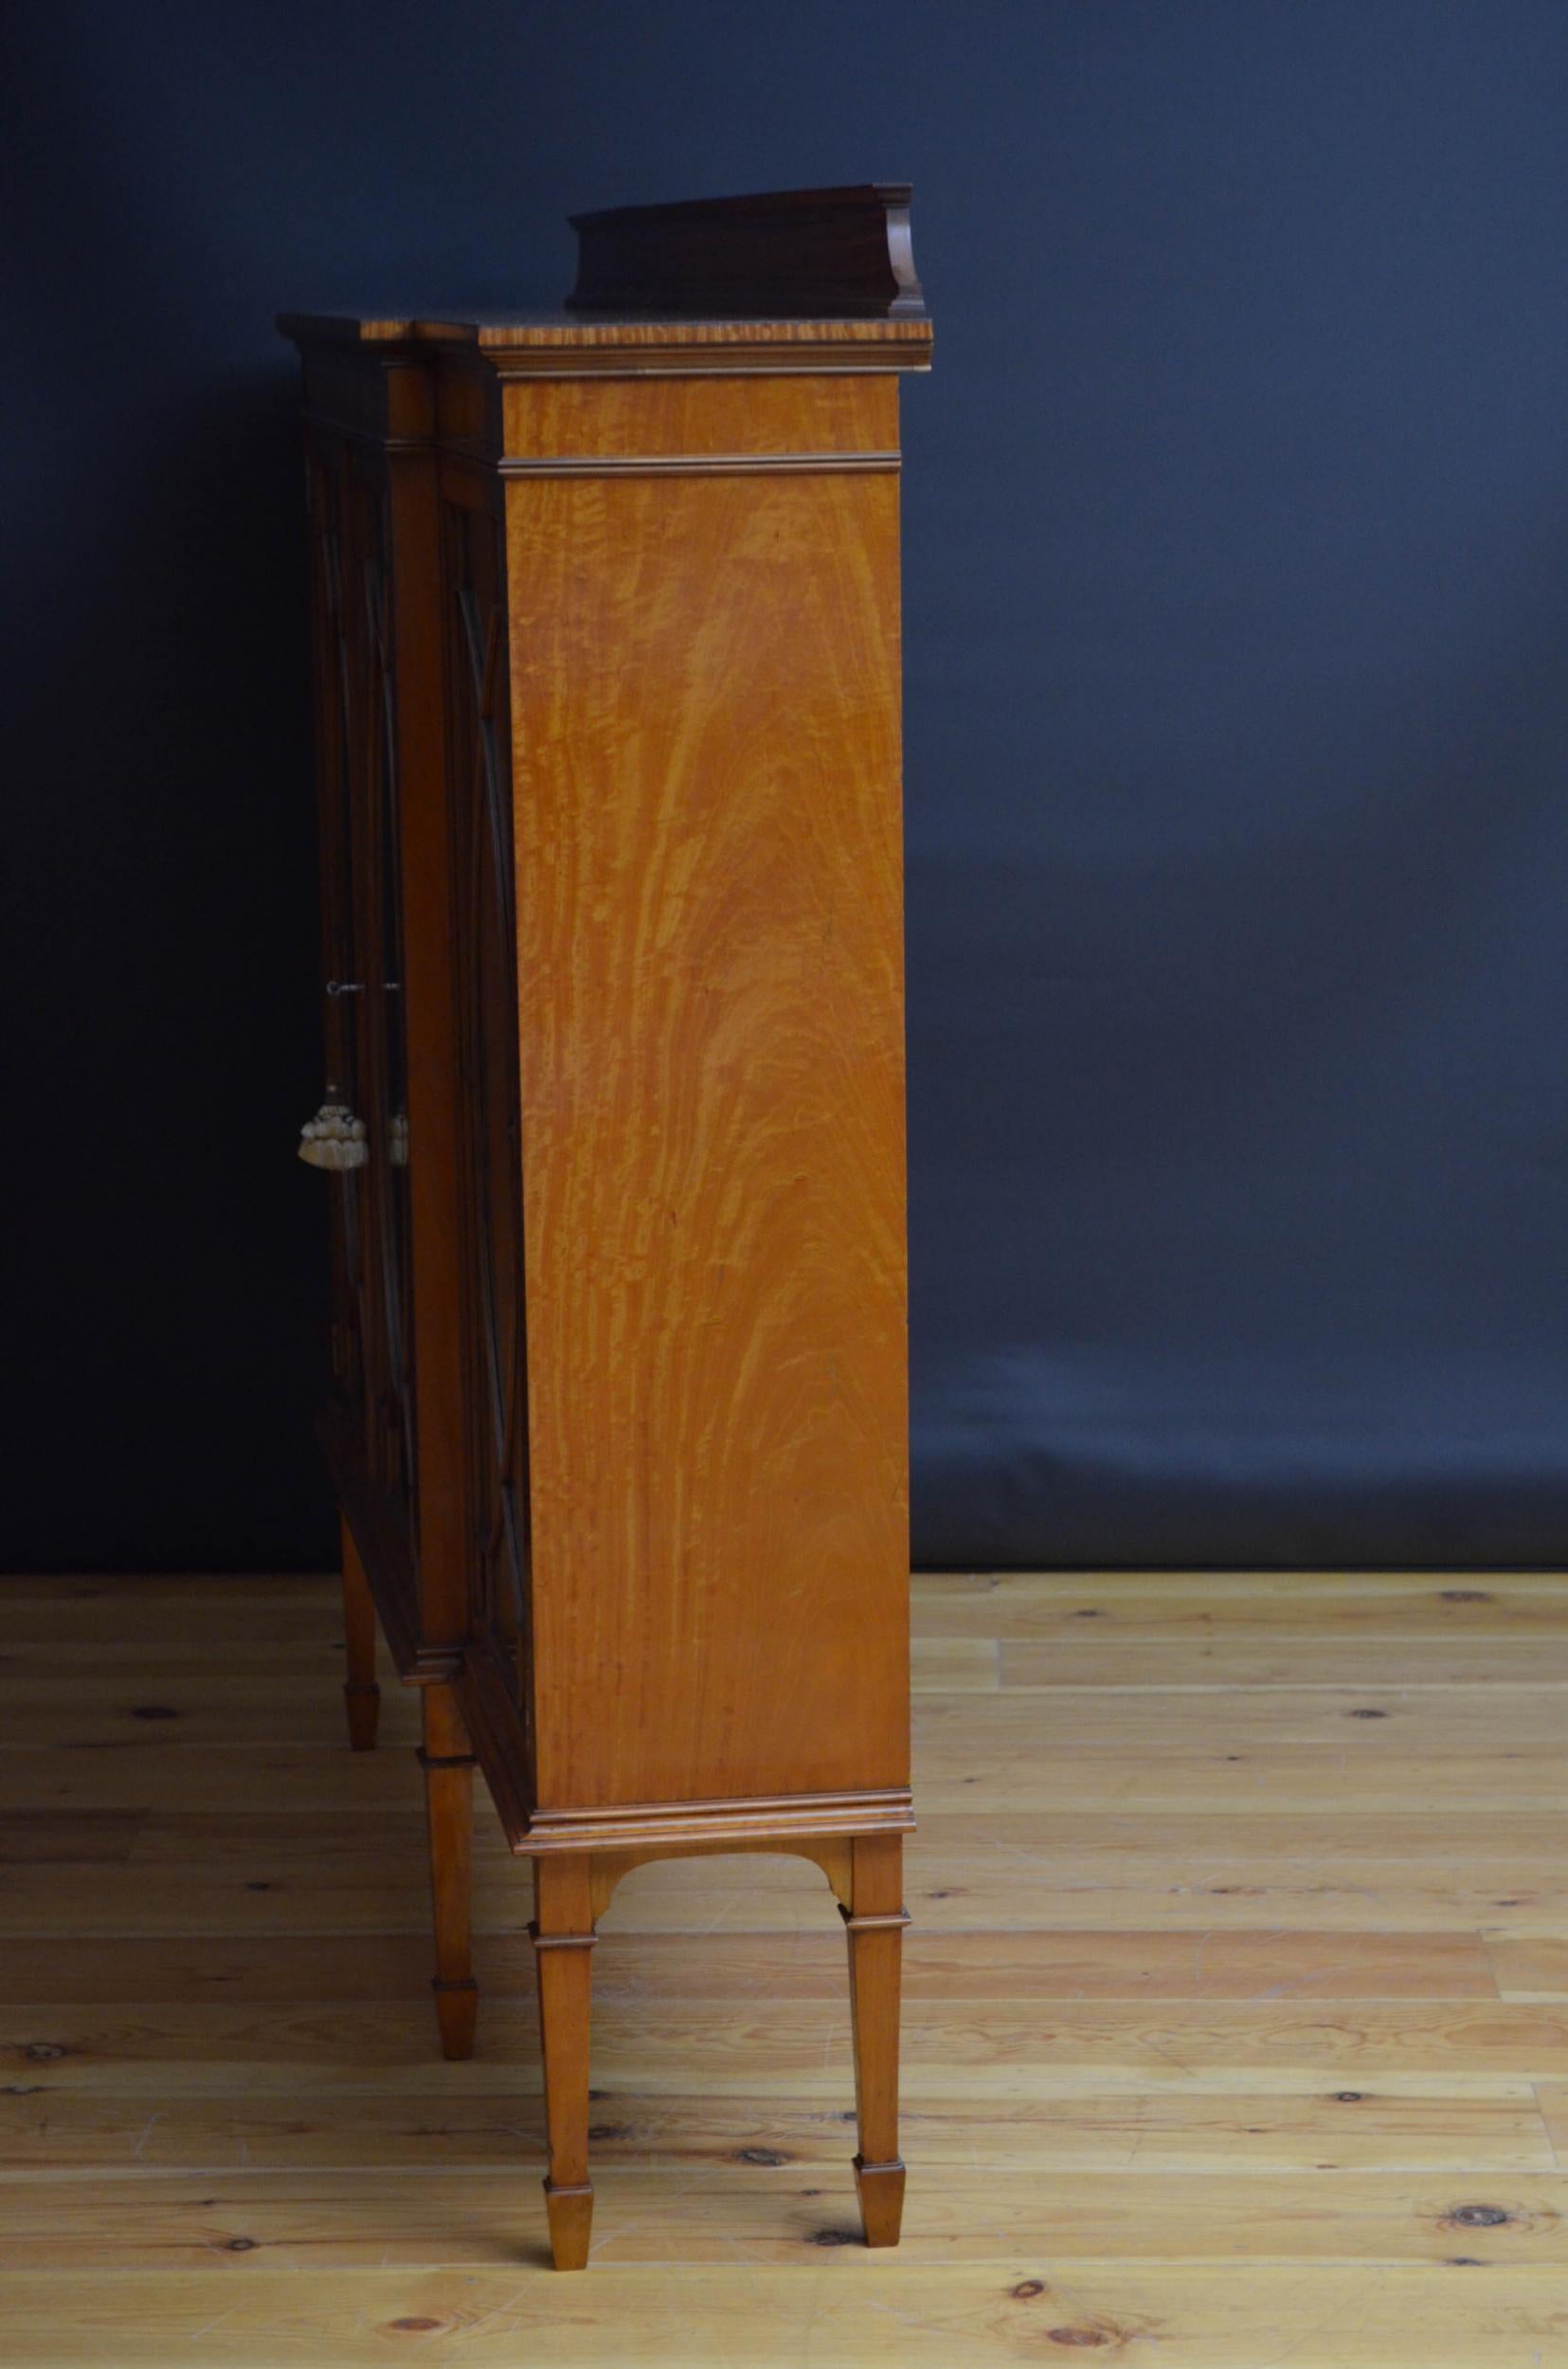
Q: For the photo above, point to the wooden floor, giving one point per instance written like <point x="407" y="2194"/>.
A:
<point x="1237" y="2021"/>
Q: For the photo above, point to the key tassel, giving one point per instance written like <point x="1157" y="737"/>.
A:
<point x="333" y="1139"/>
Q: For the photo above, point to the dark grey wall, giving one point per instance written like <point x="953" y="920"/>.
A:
<point x="1235" y="621"/>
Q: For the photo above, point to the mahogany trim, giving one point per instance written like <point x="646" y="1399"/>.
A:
<point x="716" y="355"/>
<point x="644" y="349"/>
<point x="587" y="345"/>
<point x="782" y="252"/>
<point x="702" y="464"/>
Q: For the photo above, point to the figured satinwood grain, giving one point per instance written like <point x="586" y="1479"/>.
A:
<point x="624" y="418"/>
<point x="706" y="764"/>
<point x="1228" y="2084"/>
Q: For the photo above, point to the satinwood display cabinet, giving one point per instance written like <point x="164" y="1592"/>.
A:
<point x="606" y="664"/>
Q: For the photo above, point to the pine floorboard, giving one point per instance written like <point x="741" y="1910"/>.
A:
<point x="1235" y="2027"/>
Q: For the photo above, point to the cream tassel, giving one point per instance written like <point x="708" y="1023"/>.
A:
<point x="333" y="1139"/>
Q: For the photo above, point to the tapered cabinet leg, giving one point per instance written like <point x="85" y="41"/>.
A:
<point x="448" y="1765"/>
<point x="563" y="1940"/>
<point x="875" y="1919"/>
<point x="361" y="1694"/>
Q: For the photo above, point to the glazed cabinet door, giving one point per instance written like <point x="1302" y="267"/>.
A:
<point x="480" y="775"/>
<point x="363" y="962"/>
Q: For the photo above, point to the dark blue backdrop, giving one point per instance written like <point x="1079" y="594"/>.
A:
<point x="1236" y="627"/>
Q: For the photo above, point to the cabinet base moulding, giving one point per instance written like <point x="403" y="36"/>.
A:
<point x="784" y="1821"/>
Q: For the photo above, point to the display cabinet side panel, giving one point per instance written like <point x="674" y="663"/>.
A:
<point x="706" y="711"/>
